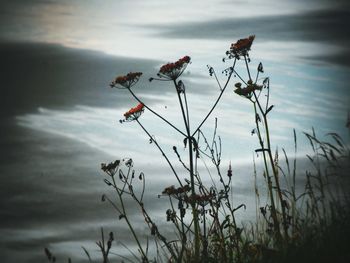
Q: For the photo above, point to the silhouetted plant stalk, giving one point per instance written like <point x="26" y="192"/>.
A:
<point x="211" y="233"/>
<point x="213" y="152"/>
<point x="194" y="193"/>
<point x="212" y="229"/>
<point x="112" y="169"/>
<point x="125" y="187"/>
<point x="171" y="72"/>
<point x="105" y="247"/>
<point x="326" y="159"/>
<point x="252" y="91"/>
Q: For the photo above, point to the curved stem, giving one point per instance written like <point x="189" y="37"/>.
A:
<point x="217" y="80"/>
<point x="155" y="113"/>
<point x="239" y="76"/>
<point x="151" y="224"/>
<point x="128" y="222"/>
<point x="161" y="150"/>
<point x="217" y="100"/>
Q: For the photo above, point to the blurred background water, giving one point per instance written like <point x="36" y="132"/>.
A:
<point x="60" y="120"/>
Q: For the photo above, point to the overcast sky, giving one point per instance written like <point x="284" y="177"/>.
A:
<point x="129" y="28"/>
<point x="60" y="119"/>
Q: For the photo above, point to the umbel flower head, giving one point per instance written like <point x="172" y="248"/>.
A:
<point x="172" y="71"/>
<point x="247" y="91"/>
<point x="110" y="168"/>
<point x="176" y="192"/>
<point x="126" y="81"/>
<point x="241" y="47"/>
<point x="134" y="113"/>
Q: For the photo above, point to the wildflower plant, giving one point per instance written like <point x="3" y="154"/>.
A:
<point x="204" y="218"/>
<point x="251" y="90"/>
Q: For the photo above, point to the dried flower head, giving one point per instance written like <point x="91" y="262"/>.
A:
<point x="170" y="215"/>
<point x="229" y="171"/>
<point x="134" y="113"/>
<point x="169" y="190"/>
<point x="247" y="91"/>
<point x="110" y="168"/>
<point x="202" y="200"/>
<point x="176" y="192"/>
<point x="241" y="47"/>
<point x="172" y="71"/>
<point x="126" y="81"/>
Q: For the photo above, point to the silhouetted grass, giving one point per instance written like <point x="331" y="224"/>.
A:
<point x="294" y="225"/>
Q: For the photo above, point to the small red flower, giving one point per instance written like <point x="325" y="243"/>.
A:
<point x="126" y="81"/>
<point x="241" y="47"/>
<point x="172" y="71"/>
<point x="134" y="113"/>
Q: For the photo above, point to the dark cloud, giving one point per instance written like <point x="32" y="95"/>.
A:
<point x="325" y="26"/>
<point x="330" y="26"/>
<point x="50" y="192"/>
<point x="51" y="76"/>
<point x="341" y="58"/>
<point x="49" y="183"/>
<point x="42" y="75"/>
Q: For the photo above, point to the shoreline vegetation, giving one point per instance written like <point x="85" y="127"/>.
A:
<point x="294" y="225"/>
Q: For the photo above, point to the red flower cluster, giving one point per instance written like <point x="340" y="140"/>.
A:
<point x="172" y="71"/>
<point x="126" y="81"/>
<point x="134" y="113"/>
<point x="242" y="46"/>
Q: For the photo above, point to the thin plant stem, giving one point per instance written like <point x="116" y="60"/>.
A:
<point x="161" y="150"/>
<point x="246" y="64"/>
<point x="217" y="100"/>
<point x="155" y="113"/>
<point x="127" y="220"/>
<point x="193" y="192"/>
<point x="151" y="224"/>
<point x="269" y="182"/>
<point x="217" y="80"/>
<point x="274" y="170"/>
